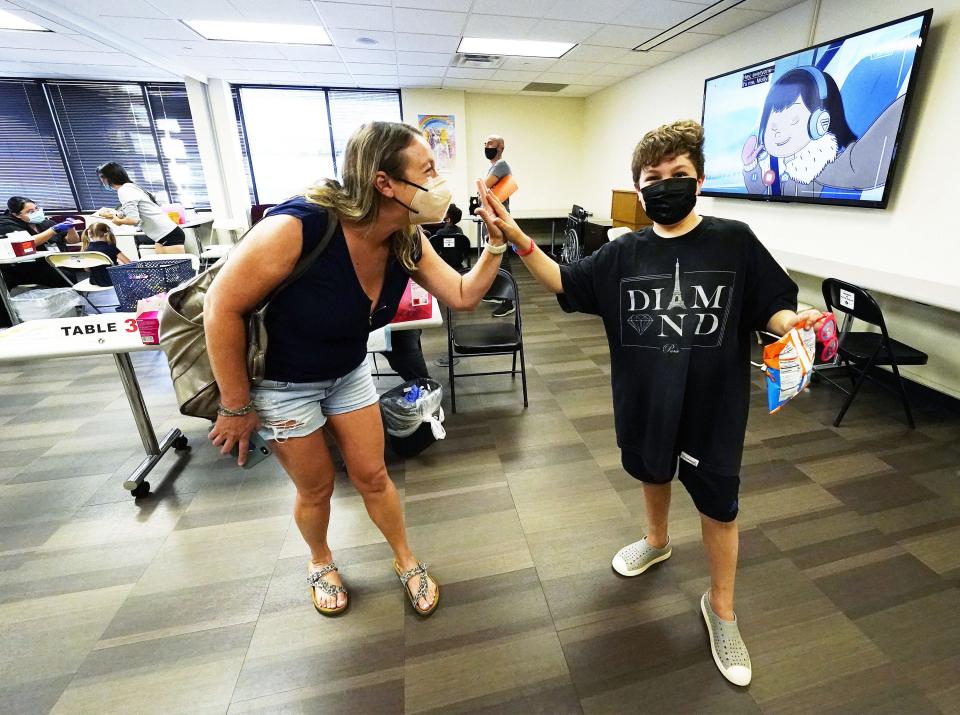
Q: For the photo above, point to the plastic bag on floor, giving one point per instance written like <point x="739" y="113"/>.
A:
<point x="412" y="415"/>
<point x="39" y="303"/>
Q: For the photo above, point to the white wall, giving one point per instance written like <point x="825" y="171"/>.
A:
<point x="910" y="250"/>
<point x="543" y="141"/>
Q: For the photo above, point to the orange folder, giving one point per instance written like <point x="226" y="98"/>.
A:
<point x="505" y="188"/>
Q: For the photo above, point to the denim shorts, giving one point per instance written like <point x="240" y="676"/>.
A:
<point x="296" y="409"/>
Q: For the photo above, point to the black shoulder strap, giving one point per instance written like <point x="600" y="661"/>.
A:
<point x="303" y="265"/>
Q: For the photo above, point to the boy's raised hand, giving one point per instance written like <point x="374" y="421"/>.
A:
<point x="498" y="220"/>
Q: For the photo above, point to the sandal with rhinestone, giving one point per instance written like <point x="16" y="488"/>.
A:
<point x="315" y="576"/>
<point x="419" y="570"/>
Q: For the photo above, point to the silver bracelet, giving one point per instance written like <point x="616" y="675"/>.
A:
<point x="227" y="412"/>
<point x="497" y="250"/>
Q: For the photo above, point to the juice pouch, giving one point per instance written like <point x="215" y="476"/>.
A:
<point x="788" y="364"/>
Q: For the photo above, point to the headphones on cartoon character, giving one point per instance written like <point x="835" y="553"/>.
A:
<point x="818" y="116"/>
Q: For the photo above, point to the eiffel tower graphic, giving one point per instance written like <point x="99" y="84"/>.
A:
<point x="677" y="300"/>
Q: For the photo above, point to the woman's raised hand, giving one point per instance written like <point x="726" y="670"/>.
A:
<point x="498" y="220"/>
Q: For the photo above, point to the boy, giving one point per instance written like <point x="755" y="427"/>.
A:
<point x="679" y="301"/>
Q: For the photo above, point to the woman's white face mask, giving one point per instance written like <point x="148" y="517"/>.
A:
<point x="430" y="202"/>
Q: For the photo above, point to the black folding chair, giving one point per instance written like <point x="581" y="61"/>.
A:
<point x="454" y="250"/>
<point x="490" y="338"/>
<point x="861" y="351"/>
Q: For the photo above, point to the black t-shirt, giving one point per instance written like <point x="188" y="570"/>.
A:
<point x="678" y="314"/>
<point x="99" y="275"/>
<point x="317" y="328"/>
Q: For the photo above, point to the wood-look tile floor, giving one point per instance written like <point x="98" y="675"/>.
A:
<point x="193" y="600"/>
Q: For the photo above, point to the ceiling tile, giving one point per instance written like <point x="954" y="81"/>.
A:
<point x="686" y="42"/>
<point x="731" y="21"/>
<point x="578" y="67"/>
<point x="315" y="53"/>
<point x="211" y="48"/>
<point x="469" y="73"/>
<point x="257" y="63"/>
<point x="421" y="71"/>
<point x="657" y="13"/>
<point x="429" y="21"/>
<point x="527" y="8"/>
<point x="128" y="8"/>
<point x="419" y="82"/>
<point x="645" y="59"/>
<point x="528" y="63"/>
<point x="463" y="83"/>
<point x="567" y="78"/>
<point x="429" y="43"/>
<point x="578" y="90"/>
<point x="602" y="11"/>
<point x="624" y="37"/>
<point x="769" y="5"/>
<point x="360" y="17"/>
<point x="39" y="41"/>
<point x="594" y="53"/>
<point x="498" y="86"/>
<point x="615" y="70"/>
<point x="508" y="28"/>
<point x="358" y="68"/>
<point x="277" y="11"/>
<point x="210" y="64"/>
<point x="383" y="56"/>
<point x="328" y="80"/>
<point x="516" y="75"/>
<point x="436" y="59"/>
<point x="348" y="38"/>
<point x="452" y="5"/>
<point x="320" y="67"/>
<point x="196" y="9"/>
<point x="138" y="28"/>
<point x="369" y="80"/>
<point x="562" y="31"/>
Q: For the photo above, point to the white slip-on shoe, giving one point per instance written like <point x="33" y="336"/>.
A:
<point x="635" y="558"/>
<point x="728" y="649"/>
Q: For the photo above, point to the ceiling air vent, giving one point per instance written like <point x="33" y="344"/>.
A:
<point x="478" y="62"/>
<point x="543" y="87"/>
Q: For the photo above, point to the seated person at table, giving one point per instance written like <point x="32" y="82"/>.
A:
<point x="22" y="214"/>
<point x="450" y="221"/>
<point x="100" y="238"/>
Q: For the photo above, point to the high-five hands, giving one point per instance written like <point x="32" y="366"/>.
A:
<point x="499" y="222"/>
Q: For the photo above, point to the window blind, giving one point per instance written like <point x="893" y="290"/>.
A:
<point x="30" y="161"/>
<point x="179" y="154"/>
<point x="106" y="122"/>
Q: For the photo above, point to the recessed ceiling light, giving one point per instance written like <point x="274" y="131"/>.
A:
<point x="260" y="32"/>
<point x="9" y="21"/>
<point x="366" y="41"/>
<point x="517" y="48"/>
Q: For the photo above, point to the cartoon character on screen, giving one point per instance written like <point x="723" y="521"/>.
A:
<point x="805" y="144"/>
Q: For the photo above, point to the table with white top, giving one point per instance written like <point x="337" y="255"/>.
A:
<point x="109" y="334"/>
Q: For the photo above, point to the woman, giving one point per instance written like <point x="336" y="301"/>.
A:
<point x="22" y="214"/>
<point x="139" y="207"/>
<point x="316" y="369"/>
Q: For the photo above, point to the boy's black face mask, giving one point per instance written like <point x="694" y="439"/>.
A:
<point x="670" y="201"/>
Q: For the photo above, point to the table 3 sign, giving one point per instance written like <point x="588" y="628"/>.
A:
<point x="129" y="326"/>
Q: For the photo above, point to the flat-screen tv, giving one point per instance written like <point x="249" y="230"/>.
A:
<point x="821" y="125"/>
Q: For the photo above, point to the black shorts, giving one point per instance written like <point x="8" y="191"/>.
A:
<point x="715" y="495"/>
<point x="175" y="238"/>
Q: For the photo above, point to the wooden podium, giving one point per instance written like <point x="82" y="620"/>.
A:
<point x="626" y="210"/>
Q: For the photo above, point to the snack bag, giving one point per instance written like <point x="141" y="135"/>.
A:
<point x="788" y="364"/>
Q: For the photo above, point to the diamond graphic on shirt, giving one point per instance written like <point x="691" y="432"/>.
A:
<point x="640" y="323"/>
<point x="675" y="310"/>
